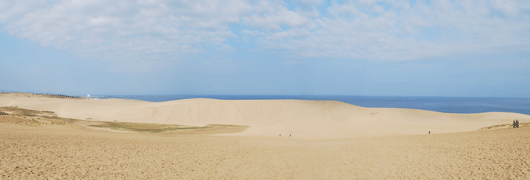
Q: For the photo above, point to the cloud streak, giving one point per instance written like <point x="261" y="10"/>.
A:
<point x="148" y="32"/>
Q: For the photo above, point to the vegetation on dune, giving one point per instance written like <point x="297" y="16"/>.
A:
<point x="21" y="116"/>
<point x="145" y="127"/>
<point x="503" y="126"/>
<point x="43" y="95"/>
<point x="20" y="111"/>
<point x="59" y="96"/>
<point x="28" y="117"/>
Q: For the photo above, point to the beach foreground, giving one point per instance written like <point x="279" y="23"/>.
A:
<point x="41" y="145"/>
<point x="75" y="152"/>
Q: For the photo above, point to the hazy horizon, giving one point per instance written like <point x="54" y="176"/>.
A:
<point x="262" y="95"/>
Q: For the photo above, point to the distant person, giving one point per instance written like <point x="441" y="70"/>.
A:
<point x="517" y="123"/>
<point x="429" y="132"/>
<point x="289" y="135"/>
<point x="514" y="124"/>
<point x="280" y="135"/>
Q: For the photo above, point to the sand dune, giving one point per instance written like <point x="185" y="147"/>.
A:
<point x="72" y="152"/>
<point x="268" y="118"/>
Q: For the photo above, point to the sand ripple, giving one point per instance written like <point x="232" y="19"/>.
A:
<point x="71" y="152"/>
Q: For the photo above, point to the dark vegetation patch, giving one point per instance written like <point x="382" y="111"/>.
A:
<point x="16" y="115"/>
<point x="28" y="117"/>
<point x="59" y="96"/>
<point x="145" y="127"/>
<point x="213" y="129"/>
<point x="504" y="126"/>
<point x="44" y="95"/>
<point x="20" y="111"/>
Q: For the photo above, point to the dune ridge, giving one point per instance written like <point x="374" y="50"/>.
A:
<point x="267" y="118"/>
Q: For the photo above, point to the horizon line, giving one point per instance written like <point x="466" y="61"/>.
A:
<point x="143" y="95"/>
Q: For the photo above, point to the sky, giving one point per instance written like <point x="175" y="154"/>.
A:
<point x="464" y="48"/>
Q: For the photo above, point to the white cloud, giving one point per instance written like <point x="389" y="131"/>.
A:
<point x="226" y="48"/>
<point x="164" y="31"/>
<point x="507" y="7"/>
<point x="360" y="30"/>
<point x="272" y="18"/>
<point x="13" y="9"/>
<point x="253" y="32"/>
<point x="125" y="31"/>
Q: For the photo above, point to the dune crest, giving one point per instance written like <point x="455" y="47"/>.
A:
<point x="268" y="118"/>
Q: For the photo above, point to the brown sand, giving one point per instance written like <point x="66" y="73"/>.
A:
<point x="71" y="151"/>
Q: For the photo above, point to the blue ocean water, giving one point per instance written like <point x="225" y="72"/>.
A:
<point x="440" y="104"/>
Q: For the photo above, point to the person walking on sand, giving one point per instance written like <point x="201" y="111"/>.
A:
<point x="513" y="124"/>
<point x="429" y="132"/>
<point x="517" y="123"/>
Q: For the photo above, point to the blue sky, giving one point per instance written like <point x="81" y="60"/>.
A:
<point x="277" y="47"/>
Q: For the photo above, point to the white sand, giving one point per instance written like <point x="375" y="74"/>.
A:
<point x="268" y="118"/>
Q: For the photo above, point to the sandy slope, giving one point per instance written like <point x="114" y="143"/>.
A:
<point x="72" y="152"/>
<point x="268" y="118"/>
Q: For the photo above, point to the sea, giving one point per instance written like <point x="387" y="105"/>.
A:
<point x="462" y="105"/>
